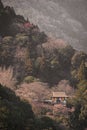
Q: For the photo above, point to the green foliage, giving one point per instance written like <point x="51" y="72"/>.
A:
<point x="79" y="69"/>
<point x="14" y="113"/>
<point x="65" y="55"/>
<point x="55" y="63"/>
<point x="77" y="59"/>
<point x="7" y="40"/>
<point x="19" y="49"/>
<point x="81" y="72"/>
<point x="45" y="123"/>
<point x="78" y="119"/>
<point x="29" y="79"/>
<point x="22" y="39"/>
<point x="37" y="37"/>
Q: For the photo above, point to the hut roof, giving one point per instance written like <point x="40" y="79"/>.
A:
<point x="59" y="94"/>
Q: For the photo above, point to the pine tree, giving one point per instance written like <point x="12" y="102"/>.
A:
<point x="81" y="71"/>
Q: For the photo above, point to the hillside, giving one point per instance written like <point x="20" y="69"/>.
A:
<point x="12" y="111"/>
<point x="17" y="114"/>
<point x="66" y="19"/>
<point x="24" y="47"/>
<point x="32" y="67"/>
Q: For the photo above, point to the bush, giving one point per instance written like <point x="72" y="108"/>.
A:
<point x="7" y="39"/>
<point x="29" y="79"/>
<point x="45" y="123"/>
<point x="15" y="114"/>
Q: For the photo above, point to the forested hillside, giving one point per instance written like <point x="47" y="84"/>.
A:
<point x="17" y="114"/>
<point x="14" y="113"/>
<point x="25" y="48"/>
<point x="29" y="56"/>
<point x="61" y="19"/>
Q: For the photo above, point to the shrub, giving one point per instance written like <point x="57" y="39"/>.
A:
<point x="15" y="114"/>
<point x="29" y="79"/>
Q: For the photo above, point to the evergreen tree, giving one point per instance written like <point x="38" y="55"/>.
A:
<point x="78" y="118"/>
<point x="81" y="71"/>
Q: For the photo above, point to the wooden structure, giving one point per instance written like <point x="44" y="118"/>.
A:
<point x="59" y="97"/>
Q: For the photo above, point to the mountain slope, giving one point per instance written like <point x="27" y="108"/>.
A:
<point x="32" y="51"/>
<point x="62" y="19"/>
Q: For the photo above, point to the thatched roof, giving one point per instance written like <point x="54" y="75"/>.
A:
<point x="59" y="94"/>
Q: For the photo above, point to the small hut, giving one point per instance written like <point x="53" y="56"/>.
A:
<point x="59" y="97"/>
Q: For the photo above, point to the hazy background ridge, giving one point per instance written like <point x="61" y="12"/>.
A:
<point x="64" y="19"/>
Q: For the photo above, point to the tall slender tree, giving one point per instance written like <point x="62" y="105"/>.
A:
<point x="81" y="71"/>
